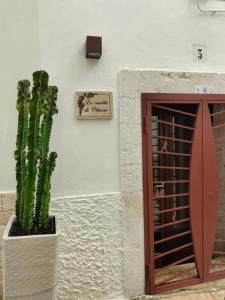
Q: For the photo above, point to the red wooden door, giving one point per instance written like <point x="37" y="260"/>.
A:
<point x="184" y="189"/>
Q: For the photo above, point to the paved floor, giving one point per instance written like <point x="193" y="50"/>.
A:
<point x="217" y="295"/>
<point x="188" y="295"/>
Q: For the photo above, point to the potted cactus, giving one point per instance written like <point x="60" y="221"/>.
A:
<point x="30" y="240"/>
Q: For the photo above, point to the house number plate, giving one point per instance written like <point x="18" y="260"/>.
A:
<point x="94" y="105"/>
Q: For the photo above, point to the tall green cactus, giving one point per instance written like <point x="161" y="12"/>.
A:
<point x="21" y="142"/>
<point x="49" y="110"/>
<point x="32" y="159"/>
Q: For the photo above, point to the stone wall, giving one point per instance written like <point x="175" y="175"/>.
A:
<point x="7" y="208"/>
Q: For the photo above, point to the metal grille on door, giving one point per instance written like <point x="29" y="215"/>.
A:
<point x="172" y="133"/>
<point x="184" y="189"/>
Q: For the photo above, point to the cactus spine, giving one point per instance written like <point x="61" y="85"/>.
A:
<point x="32" y="158"/>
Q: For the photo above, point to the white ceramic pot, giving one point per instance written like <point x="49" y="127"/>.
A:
<point x="30" y="265"/>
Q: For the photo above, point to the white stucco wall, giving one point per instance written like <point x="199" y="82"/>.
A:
<point x="50" y="34"/>
<point x="19" y="56"/>
<point x="137" y="34"/>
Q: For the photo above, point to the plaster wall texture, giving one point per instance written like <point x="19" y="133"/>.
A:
<point x="91" y="251"/>
<point x="131" y="84"/>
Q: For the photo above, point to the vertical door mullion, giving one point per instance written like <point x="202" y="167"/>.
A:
<point x="210" y="188"/>
<point x="196" y="192"/>
<point x="146" y="186"/>
<point x="203" y="193"/>
<point x="150" y="193"/>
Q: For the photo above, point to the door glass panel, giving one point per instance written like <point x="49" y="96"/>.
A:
<point x="217" y="112"/>
<point x="172" y="135"/>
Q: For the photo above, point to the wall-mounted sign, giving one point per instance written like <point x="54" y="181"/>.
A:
<point x="94" y="105"/>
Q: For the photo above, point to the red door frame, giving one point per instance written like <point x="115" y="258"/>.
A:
<point x="208" y="186"/>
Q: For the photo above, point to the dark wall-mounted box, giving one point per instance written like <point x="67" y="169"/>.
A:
<point x="94" y="47"/>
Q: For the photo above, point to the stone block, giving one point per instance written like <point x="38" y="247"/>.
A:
<point x="131" y="178"/>
<point x="0" y="258"/>
<point x="1" y="207"/>
<point x="128" y="84"/>
<point x="130" y="110"/>
<point x="131" y="134"/>
<point x="1" y="283"/>
<point x="8" y="201"/>
<point x="4" y="217"/>
<point x="133" y="271"/>
<point x="133" y="222"/>
<point x="2" y="228"/>
<point x="131" y="144"/>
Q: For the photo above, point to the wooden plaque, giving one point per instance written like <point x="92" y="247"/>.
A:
<point x="94" y="105"/>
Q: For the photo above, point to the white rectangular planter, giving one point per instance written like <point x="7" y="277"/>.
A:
<point x="30" y="265"/>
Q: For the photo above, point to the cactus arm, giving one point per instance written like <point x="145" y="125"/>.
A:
<point x="23" y="99"/>
<point x="39" y="91"/>
<point x="45" y="199"/>
<point x="23" y="184"/>
<point x="49" y="110"/>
